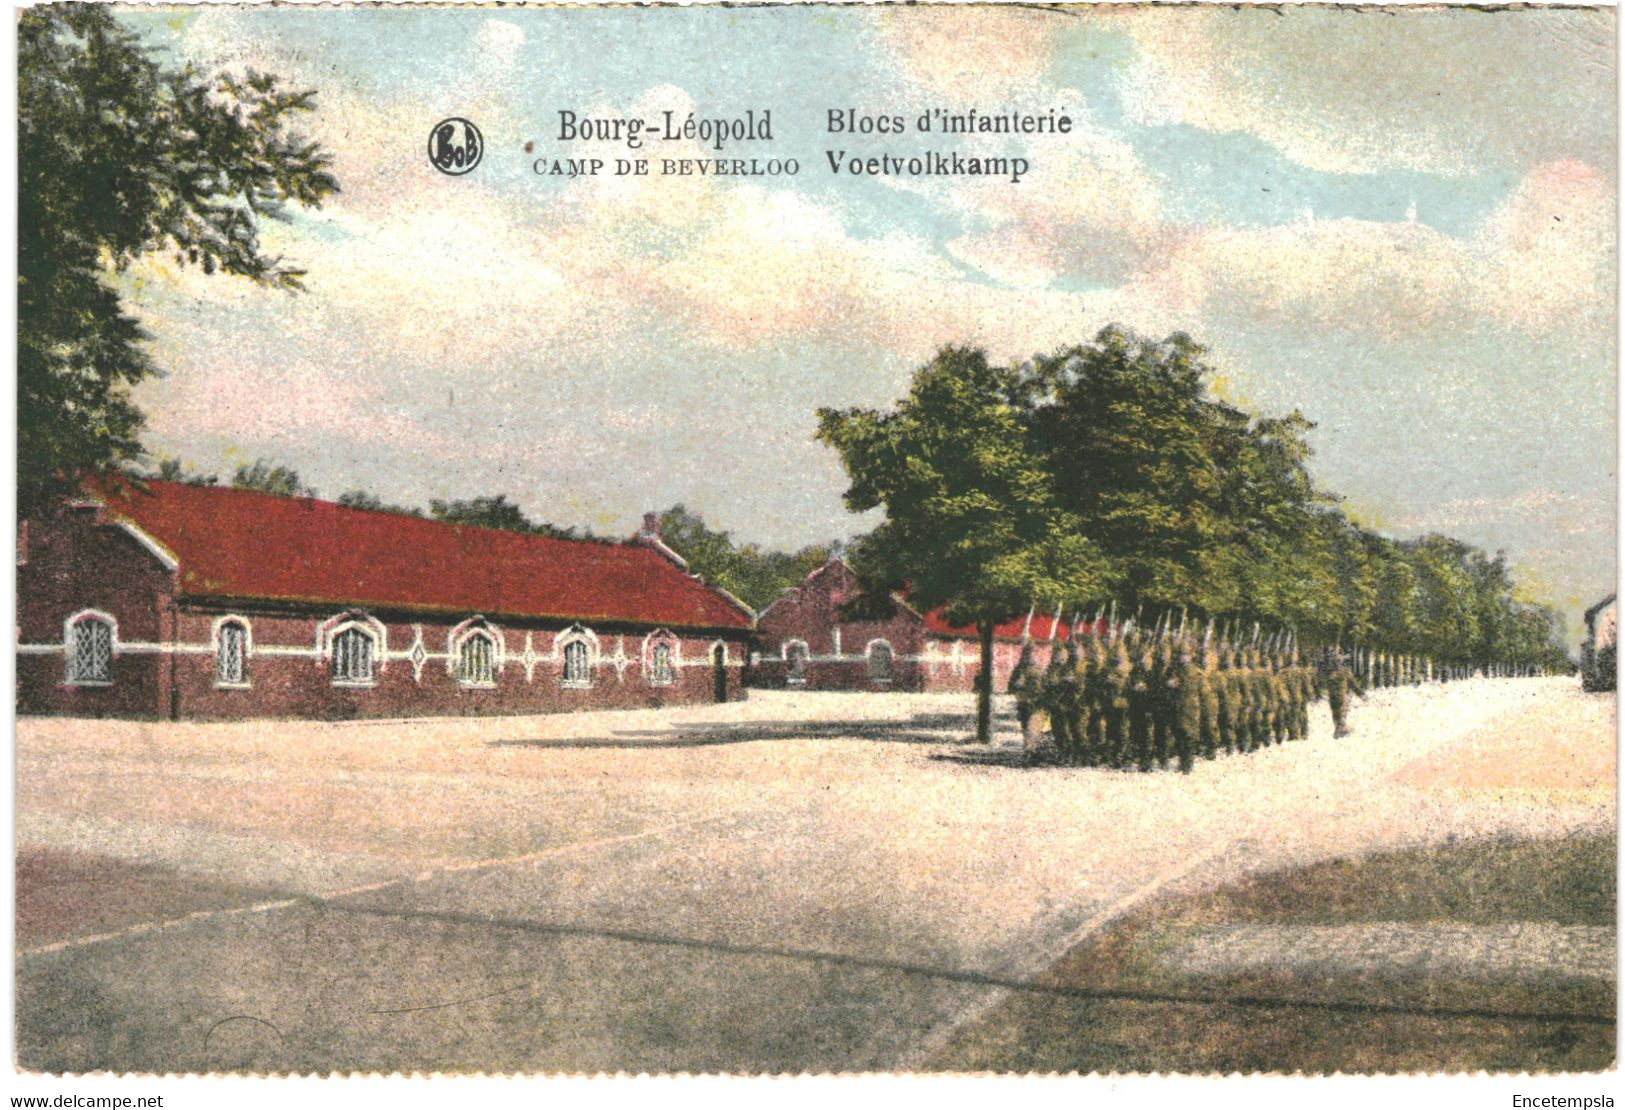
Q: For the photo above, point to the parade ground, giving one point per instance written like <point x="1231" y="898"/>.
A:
<point x="797" y="882"/>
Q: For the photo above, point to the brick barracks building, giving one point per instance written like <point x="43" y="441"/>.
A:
<point x="163" y="600"/>
<point x="804" y="641"/>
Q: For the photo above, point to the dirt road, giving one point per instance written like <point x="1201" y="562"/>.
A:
<point x="803" y="882"/>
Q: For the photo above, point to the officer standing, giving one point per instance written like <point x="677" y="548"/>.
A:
<point x="1340" y="681"/>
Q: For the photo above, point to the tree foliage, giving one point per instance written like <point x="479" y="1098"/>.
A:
<point x="364" y="499"/>
<point x="974" y="523"/>
<point x="498" y="512"/>
<point x="1109" y="471"/>
<point x="283" y="481"/>
<point x="119" y="158"/>
<point x="752" y="574"/>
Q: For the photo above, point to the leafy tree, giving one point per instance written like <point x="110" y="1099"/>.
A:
<point x="174" y="470"/>
<point x="1197" y="504"/>
<point x="1445" y="617"/>
<point x="753" y="575"/>
<point x="263" y="476"/>
<point x="973" y="522"/>
<point x="1109" y="464"/>
<point x="363" y="499"/>
<point x="118" y="158"/>
<point x="498" y="512"/>
<point x="483" y="512"/>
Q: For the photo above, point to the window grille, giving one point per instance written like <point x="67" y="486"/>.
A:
<point x="352" y="656"/>
<point x="796" y="663"/>
<point x="660" y="672"/>
<point x="231" y="655"/>
<point x="476" y="661"/>
<point x="92" y="651"/>
<point x="880" y="662"/>
<point x="576" y="672"/>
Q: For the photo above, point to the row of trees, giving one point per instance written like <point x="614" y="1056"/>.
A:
<point x="1109" y="471"/>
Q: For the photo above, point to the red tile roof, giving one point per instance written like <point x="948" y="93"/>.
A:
<point x="246" y="544"/>
<point x="1009" y="630"/>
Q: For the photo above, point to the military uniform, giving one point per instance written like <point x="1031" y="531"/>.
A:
<point x="1023" y="683"/>
<point x="1209" y="677"/>
<point x="1162" y="709"/>
<point x="1280" y="700"/>
<point x="1184" y="697"/>
<point x="1340" y="681"/>
<point x="1139" y="709"/>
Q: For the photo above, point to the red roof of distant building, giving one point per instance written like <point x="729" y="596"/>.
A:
<point x="1042" y="623"/>
<point x="243" y="543"/>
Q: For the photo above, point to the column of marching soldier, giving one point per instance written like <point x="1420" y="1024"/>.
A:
<point x="1142" y="699"/>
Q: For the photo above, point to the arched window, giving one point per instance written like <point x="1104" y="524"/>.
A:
<point x="577" y="664"/>
<point x="660" y="670"/>
<point x="795" y="663"/>
<point x="880" y="658"/>
<point x="476" y="660"/>
<point x="231" y="654"/>
<point x="90" y="651"/>
<point x="352" y="656"/>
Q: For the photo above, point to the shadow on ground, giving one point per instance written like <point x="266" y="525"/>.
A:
<point x="921" y="728"/>
<point x="986" y="757"/>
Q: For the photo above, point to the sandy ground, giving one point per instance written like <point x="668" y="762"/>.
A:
<point x="803" y="881"/>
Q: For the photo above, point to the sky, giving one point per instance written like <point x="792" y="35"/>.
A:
<point x="1402" y="223"/>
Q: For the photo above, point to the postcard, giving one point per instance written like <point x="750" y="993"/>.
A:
<point x="765" y="540"/>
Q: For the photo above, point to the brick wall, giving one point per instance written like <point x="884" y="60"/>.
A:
<point x="164" y="661"/>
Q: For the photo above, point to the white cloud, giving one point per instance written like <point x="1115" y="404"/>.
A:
<point x="1359" y="91"/>
<point x="498" y="43"/>
<point x="965" y="55"/>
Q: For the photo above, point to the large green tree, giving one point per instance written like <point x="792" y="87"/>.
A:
<point x="752" y="574"/>
<point x="119" y="156"/>
<point x="972" y="520"/>
<point x="1198" y="504"/>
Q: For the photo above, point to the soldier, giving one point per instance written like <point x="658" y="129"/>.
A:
<point x="1209" y="678"/>
<point x="1305" y="682"/>
<point x="1116" y="678"/>
<point x="1240" y="701"/>
<point x="1340" y="679"/>
<point x="1161" y="703"/>
<point x="1068" y="702"/>
<point x="1024" y="685"/>
<point x="1184" y="697"/>
<point x="1049" y="698"/>
<point x="1065" y="702"/>
<point x="1253" y="711"/>
<point x="1139" y="708"/>
<point x="1224" y="691"/>
<point x="1096" y="698"/>
<point x="1280" y="696"/>
<point x="1288" y="677"/>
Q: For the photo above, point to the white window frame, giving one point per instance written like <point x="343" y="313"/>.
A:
<point x="562" y="644"/>
<point x="459" y="659"/>
<point x="891" y="661"/>
<point x="70" y="646"/>
<point x="363" y="629"/>
<point x="454" y="649"/>
<point x="662" y="669"/>
<point x="653" y="642"/>
<point x="791" y="678"/>
<point x="576" y="648"/>
<point x="217" y="639"/>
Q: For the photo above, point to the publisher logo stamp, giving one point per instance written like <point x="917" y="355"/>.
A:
<point x="455" y="146"/>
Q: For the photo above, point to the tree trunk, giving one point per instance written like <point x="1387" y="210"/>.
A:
<point x="984" y="684"/>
